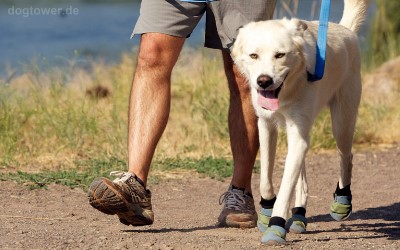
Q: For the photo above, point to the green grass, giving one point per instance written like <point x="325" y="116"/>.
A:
<point x="216" y="168"/>
<point x="384" y="35"/>
<point x="81" y="177"/>
<point x="41" y="180"/>
<point x="87" y="170"/>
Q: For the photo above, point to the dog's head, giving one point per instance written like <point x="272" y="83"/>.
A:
<point x="268" y="53"/>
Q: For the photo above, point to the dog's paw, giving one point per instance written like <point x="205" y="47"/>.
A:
<point x="341" y="207"/>
<point x="274" y="235"/>
<point x="263" y="219"/>
<point x="297" y="224"/>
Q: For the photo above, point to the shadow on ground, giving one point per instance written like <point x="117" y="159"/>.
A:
<point x="167" y="230"/>
<point x="389" y="230"/>
<point x="358" y="222"/>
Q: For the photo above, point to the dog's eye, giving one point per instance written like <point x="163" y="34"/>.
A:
<point x="279" y="55"/>
<point x="253" y="56"/>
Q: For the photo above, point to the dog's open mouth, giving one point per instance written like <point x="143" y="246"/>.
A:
<point x="268" y="99"/>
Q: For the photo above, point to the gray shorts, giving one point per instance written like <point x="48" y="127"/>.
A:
<point x="223" y="18"/>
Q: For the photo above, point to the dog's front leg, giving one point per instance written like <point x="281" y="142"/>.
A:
<point x="297" y="147"/>
<point x="268" y="134"/>
<point x="298" y="140"/>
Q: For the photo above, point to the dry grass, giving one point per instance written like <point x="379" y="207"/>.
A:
<point x="71" y="122"/>
<point x="48" y="119"/>
<point x="54" y="118"/>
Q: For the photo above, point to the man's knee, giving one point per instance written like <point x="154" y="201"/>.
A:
<point x="238" y="85"/>
<point x="157" y="51"/>
<point x="150" y="54"/>
<point x="241" y="81"/>
<point x="237" y="82"/>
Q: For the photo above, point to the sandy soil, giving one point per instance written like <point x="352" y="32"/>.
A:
<point x="186" y="208"/>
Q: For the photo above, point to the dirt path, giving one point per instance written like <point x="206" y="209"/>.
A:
<point x="186" y="209"/>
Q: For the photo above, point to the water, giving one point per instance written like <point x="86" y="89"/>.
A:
<point x="85" y="30"/>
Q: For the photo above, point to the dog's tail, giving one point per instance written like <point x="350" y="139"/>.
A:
<point x="354" y="14"/>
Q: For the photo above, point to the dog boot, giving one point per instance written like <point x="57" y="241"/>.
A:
<point x="298" y="222"/>
<point x="274" y="235"/>
<point x="263" y="219"/>
<point x="341" y="207"/>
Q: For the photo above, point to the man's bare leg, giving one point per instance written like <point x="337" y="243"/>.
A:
<point x="149" y="108"/>
<point x="149" y="104"/>
<point x="244" y="144"/>
<point x="242" y="125"/>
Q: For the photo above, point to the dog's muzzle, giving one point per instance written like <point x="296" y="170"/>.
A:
<point x="264" y="81"/>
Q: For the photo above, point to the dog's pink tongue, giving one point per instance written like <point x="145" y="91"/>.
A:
<point x="267" y="100"/>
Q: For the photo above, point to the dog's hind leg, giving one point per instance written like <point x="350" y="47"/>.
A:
<point x="298" y="222"/>
<point x="344" y="109"/>
<point x="301" y="189"/>
<point x="268" y="139"/>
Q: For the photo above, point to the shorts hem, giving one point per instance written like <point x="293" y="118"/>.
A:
<point x="141" y="32"/>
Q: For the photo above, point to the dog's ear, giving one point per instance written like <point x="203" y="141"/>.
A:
<point x="297" y="26"/>
<point x="237" y="47"/>
<point x="301" y="26"/>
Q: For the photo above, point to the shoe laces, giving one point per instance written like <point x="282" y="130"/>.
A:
<point x="121" y="176"/>
<point x="234" y="199"/>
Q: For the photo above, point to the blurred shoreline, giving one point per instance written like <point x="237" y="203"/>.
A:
<point x="47" y="33"/>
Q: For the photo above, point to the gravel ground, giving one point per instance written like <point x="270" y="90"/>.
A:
<point x="186" y="209"/>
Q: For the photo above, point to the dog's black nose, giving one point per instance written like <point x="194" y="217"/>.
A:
<point x="264" y="81"/>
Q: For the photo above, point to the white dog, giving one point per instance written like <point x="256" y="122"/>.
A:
<point x="275" y="57"/>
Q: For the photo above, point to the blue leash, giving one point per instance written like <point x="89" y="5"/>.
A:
<point x="321" y="42"/>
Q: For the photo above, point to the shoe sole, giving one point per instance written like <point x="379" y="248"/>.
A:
<point x="229" y="222"/>
<point x="106" y="197"/>
<point x="236" y="224"/>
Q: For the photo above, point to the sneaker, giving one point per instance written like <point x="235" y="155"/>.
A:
<point x="238" y="210"/>
<point x="125" y="197"/>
